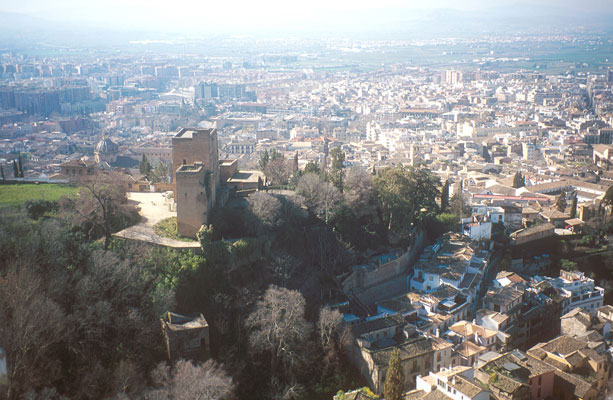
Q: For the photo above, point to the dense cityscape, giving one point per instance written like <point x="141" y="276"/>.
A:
<point x="307" y="218"/>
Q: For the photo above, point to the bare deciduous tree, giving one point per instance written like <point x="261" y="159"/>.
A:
<point x="279" y="328"/>
<point x="102" y="203"/>
<point x="32" y="324"/>
<point x="308" y="188"/>
<point x="318" y="196"/>
<point x="278" y="171"/>
<point x="330" y="197"/>
<point x="186" y="381"/>
<point x="283" y="267"/>
<point x="359" y="191"/>
<point x="330" y="325"/>
<point x="333" y="336"/>
<point x="48" y="393"/>
<point x="289" y="391"/>
<point x="266" y="207"/>
<point x="127" y="378"/>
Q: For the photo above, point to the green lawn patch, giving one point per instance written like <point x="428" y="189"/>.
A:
<point x="168" y="228"/>
<point x="17" y="194"/>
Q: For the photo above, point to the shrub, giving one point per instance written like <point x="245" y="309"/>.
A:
<point x="568" y="265"/>
<point x="37" y="208"/>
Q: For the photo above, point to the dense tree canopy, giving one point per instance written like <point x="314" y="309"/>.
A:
<point x="403" y="193"/>
<point x="98" y="311"/>
<point x="72" y="314"/>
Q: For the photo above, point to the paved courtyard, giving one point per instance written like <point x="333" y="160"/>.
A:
<point x="153" y="208"/>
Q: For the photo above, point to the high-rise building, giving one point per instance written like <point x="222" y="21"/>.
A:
<point x="205" y="90"/>
<point x="605" y="135"/>
<point x="452" y="77"/>
<point x="528" y="151"/>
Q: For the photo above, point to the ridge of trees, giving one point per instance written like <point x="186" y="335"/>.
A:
<point x="96" y="304"/>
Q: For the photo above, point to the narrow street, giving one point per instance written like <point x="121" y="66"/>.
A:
<point x="492" y="270"/>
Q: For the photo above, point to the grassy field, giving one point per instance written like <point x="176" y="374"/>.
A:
<point x="17" y="194"/>
<point x="168" y="228"/>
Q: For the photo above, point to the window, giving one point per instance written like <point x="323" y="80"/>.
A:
<point x="540" y="380"/>
<point x="184" y="161"/>
<point x="538" y="393"/>
<point x="438" y="357"/>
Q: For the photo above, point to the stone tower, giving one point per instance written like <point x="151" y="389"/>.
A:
<point x="191" y="145"/>
<point x="195" y="163"/>
<point x="194" y="198"/>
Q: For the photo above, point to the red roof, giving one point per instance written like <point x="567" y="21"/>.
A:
<point x="503" y="197"/>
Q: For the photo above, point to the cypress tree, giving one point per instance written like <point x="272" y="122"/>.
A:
<point x="2" y="172"/>
<point x="561" y="202"/>
<point x="393" y="389"/>
<point x="445" y="196"/>
<point x="142" y="166"/>
<point x="20" y="166"/>
<point x="608" y="196"/>
<point x="15" y="169"/>
<point x="264" y="159"/>
<point x="573" y="207"/>
<point x="518" y="180"/>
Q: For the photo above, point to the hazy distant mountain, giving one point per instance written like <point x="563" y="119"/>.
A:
<point x="23" y="30"/>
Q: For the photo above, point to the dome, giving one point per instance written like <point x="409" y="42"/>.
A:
<point x="106" y="146"/>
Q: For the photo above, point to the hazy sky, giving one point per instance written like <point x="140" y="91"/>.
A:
<point x="191" y="14"/>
